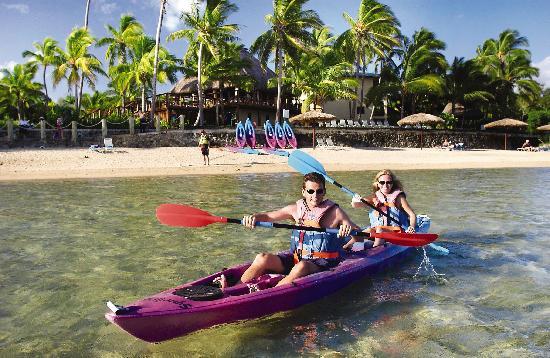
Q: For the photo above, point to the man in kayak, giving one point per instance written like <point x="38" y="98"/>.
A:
<point x="312" y="251"/>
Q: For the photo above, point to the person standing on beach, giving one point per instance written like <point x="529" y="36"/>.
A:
<point x="59" y="128"/>
<point x="203" y="145"/>
<point x="388" y="196"/>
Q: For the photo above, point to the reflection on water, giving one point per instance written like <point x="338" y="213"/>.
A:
<point x="69" y="246"/>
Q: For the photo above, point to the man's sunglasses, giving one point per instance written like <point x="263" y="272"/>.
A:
<point x="381" y="182"/>
<point x="318" y="191"/>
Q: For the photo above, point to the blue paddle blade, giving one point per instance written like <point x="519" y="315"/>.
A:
<point x="305" y="163"/>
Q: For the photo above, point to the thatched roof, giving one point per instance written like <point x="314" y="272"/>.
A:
<point x="506" y="123"/>
<point x="459" y="108"/>
<point x="255" y="71"/>
<point x="420" y="118"/>
<point x="312" y="117"/>
<point x="545" y="128"/>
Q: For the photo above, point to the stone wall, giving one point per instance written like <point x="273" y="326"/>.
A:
<point x="352" y="137"/>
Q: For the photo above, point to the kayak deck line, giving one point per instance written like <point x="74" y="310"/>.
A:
<point x="166" y="315"/>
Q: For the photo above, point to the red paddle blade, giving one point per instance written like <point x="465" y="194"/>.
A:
<point x="405" y="239"/>
<point x="186" y="216"/>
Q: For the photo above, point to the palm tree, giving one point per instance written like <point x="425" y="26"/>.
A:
<point x="76" y="60"/>
<point x="206" y="32"/>
<point x="288" y="34"/>
<point x="157" y="45"/>
<point x="321" y="75"/>
<point x="140" y="71"/>
<point x="45" y="55"/>
<point x="19" y="88"/>
<point x="509" y="67"/>
<point x="372" y="34"/>
<point x="87" y="14"/>
<point x="464" y="83"/>
<point x="118" y="44"/>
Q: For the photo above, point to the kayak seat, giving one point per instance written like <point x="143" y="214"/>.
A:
<point x="199" y="293"/>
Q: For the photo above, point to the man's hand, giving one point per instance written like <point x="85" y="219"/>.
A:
<point x="249" y="221"/>
<point x="344" y="230"/>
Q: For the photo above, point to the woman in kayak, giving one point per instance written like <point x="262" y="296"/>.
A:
<point x="388" y="196"/>
<point x="312" y="251"/>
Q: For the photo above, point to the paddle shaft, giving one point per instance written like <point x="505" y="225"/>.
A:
<point x="297" y="227"/>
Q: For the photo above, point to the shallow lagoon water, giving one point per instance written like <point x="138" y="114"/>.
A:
<point x="68" y="246"/>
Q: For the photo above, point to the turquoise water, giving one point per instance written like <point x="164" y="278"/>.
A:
<point x="68" y="246"/>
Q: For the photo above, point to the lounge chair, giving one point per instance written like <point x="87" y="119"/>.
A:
<point x="320" y="142"/>
<point x="342" y="123"/>
<point x="108" y="143"/>
<point x="329" y="142"/>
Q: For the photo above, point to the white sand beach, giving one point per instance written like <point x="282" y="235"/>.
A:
<point x="53" y="163"/>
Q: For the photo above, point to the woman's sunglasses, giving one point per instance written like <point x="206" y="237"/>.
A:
<point x="381" y="182"/>
<point x="318" y="191"/>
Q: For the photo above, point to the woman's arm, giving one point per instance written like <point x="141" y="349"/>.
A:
<point x="404" y="204"/>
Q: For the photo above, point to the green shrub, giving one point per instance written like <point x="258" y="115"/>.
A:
<point x="537" y="118"/>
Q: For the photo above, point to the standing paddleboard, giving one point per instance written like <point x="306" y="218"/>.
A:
<point x="270" y="135"/>
<point x="289" y="134"/>
<point x="280" y="135"/>
<point x="250" y="133"/>
<point x="240" y="137"/>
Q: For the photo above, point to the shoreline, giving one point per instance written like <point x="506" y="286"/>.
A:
<point x="80" y="163"/>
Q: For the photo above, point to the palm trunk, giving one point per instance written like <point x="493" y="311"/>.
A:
<point x="143" y="99"/>
<point x="155" y="69"/>
<point x="199" y="89"/>
<point x="82" y="77"/>
<point x="279" y="83"/>
<point x="44" y="79"/>
<point x="402" y="104"/>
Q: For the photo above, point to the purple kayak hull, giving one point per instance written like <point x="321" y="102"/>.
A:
<point x="166" y="315"/>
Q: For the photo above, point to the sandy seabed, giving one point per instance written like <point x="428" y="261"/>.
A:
<point x="53" y="163"/>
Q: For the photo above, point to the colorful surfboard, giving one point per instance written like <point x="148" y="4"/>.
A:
<point x="270" y="135"/>
<point x="240" y="137"/>
<point x="250" y="133"/>
<point x="280" y="135"/>
<point x="289" y="134"/>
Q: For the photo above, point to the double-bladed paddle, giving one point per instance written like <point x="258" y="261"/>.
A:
<point x="188" y="216"/>
<point x="304" y="163"/>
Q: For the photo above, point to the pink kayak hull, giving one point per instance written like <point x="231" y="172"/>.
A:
<point x="166" y="315"/>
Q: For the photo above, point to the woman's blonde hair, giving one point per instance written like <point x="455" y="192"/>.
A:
<point x="396" y="183"/>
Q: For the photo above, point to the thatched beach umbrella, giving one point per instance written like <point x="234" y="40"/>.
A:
<point x="311" y="118"/>
<point x="422" y="119"/>
<point x="545" y="128"/>
<point x="506" y="124"/>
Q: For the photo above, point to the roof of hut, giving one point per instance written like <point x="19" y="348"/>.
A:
<point x="255" y="71"/>
<point x="459" y="108"/>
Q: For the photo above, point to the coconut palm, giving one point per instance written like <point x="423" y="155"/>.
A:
<point x="155" y="65"/>
<point x="140" y="71"/>
<point x="288" y="34"/>
<point x="371" y="35"/>
<point x="206" y="32"/>
<point x="18" y="87"/>
<point x="464" y="83"/>
<point x="75" y="62"/>
<point x="118" y="43"/>
<point x="45" y="55"/>
<point x="509" y="67"/>
<point x="321" y="75"/>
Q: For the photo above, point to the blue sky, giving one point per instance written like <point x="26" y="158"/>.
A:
<point x="462" y="24"/>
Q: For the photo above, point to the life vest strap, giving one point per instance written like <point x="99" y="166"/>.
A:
<point x="316" y="255"/>
<point x="386" y="228"/>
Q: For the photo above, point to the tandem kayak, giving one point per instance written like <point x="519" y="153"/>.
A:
<point x="199" y="304"/>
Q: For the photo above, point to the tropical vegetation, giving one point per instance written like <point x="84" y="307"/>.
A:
<point x="309" y="61"/>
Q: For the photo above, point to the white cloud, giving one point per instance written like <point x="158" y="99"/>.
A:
<point x="544" y="71"/>
<point x="174" y="9"/>
<point x="106" y="7"/>
<point x="22" y="8"/>
<point x="7" y="65"/>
